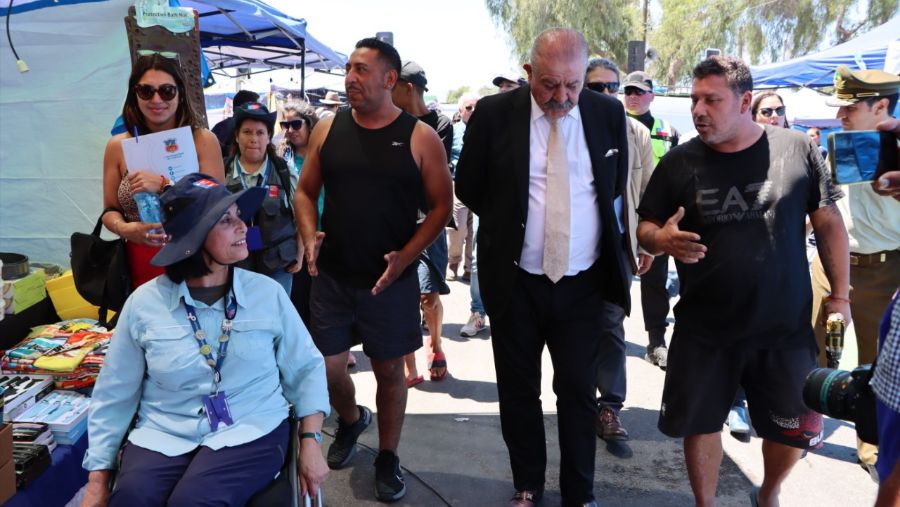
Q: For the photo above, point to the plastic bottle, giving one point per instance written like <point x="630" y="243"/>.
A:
<point x="149" y="208"/>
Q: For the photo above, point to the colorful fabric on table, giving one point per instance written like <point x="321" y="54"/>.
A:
<point x="72" y="352"/>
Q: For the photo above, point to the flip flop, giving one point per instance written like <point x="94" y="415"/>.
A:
<point x="438" y="360"/>
<point x="411" y="382"/>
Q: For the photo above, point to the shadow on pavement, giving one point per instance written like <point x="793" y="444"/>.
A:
<point x="460" y="459"/>
<point x="475" y="390"/>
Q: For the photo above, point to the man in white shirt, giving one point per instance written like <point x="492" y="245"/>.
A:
<point x="542" y="166"/>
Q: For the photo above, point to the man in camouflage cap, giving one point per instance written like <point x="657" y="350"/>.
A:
<point x="864" y="98"/>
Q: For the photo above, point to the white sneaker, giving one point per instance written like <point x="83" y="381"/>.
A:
<point x="473" y="326"/>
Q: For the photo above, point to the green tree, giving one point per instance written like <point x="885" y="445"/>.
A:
<point x="756" y="30"/>
<point x="607" y="25"/>
<point x="484" y="91"/>
<point x="454" y="94"/>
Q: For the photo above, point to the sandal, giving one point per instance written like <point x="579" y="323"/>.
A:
<point x="410" y="382"/>
<point x="437" y="360"/>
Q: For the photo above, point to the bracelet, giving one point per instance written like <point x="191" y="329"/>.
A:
<point x="836" y="298"/>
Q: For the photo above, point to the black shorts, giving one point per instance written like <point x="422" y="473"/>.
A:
<point x="387" y="325"/>
<point x="701" y="383"/>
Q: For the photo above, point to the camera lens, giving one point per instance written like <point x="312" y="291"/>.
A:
<point x="825" y="391"/>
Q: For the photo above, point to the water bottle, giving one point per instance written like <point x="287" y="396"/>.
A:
<point x="149" y="208"/>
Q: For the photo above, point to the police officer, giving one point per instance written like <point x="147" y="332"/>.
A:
<point x="864" y="98"/>
<point x="638" y="87"/>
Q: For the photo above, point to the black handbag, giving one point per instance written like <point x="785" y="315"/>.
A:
<point x="100" y="270"/>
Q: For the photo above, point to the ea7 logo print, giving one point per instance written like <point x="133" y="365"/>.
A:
<point x="733" y="204"/>
<point x="396" y="144"/>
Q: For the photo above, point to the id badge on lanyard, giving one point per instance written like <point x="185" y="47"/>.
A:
<point x="215" y="404"/>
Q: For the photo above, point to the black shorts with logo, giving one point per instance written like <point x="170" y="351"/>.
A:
<point x="701" y="383"/>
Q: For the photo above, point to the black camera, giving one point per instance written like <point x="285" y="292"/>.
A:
<point x="844" y="395"/>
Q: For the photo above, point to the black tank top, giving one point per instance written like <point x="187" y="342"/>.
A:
<point x="372" y="192"/>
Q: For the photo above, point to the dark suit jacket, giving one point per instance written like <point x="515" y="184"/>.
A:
<point x="492" y="180"/>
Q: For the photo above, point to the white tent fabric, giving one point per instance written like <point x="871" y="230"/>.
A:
<point x="55" y="121"/>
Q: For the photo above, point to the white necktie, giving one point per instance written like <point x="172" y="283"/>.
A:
<point x="557" y="218"/>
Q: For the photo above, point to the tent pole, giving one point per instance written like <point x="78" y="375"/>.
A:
<point x="303" y="68"/>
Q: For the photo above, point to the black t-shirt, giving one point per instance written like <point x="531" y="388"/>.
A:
<point x="749" y="208"/>
<point x="443" y="126"/>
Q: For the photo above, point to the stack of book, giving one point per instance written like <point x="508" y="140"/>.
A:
<point x="21" y="392"/>
<point x="65" y="412"/>
<point x="33" y="433"/>
<point x="31" y="461"/>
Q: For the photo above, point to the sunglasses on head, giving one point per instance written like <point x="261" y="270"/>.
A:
<point x="166" y="91"/>
<point x="292" y="124"/>
<point x="600" y="86"/>
<point x="631" y="90"/>
<point x="767" y="111"/>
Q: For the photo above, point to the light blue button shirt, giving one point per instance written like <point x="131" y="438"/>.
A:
<point x="154" y="368"/>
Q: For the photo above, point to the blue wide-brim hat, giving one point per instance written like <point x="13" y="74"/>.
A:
<point x="192" y="207"/>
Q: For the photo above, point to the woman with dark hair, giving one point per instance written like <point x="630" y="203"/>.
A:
<point x="211" y="427"/>
<point x="275" y="249"/>
<point x="156" y="101"/>
<point x="768" y="109"/>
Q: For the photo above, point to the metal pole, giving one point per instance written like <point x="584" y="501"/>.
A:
<point x="645" y="13"/>
<point x="303" y="69"/>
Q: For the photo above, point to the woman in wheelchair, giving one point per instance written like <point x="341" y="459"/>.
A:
<point x="208" y="357"/>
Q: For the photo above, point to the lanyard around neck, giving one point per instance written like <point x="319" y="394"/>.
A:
<point x="200" y="336"/>
<point x="240" y="172"/>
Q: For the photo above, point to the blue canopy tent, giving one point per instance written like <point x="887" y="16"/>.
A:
<point x="815" y="70"/>
<point x="251" y="34"/>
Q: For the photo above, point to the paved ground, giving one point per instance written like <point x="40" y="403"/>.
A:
<point x="454" y="454"/>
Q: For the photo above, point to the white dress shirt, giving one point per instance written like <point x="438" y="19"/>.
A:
<point x="584" y="245"/>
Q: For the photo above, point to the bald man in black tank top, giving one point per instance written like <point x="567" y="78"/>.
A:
<point x="376" y="163"/>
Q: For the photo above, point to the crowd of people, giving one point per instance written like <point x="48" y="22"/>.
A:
<point x="548" y="198"/>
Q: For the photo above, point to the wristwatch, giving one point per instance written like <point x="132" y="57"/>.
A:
<point x="313" y="435"/>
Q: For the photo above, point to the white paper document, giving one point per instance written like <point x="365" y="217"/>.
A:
<point x="170" y="153"/>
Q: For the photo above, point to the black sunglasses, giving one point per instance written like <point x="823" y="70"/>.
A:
<point x="631" y="90"/>
<point x="470" y="108"/>
<point x="292" y="124"/>
<point x="166" y="91"/>
<point x="767" y="111"/>
<point x="600" y="86"/>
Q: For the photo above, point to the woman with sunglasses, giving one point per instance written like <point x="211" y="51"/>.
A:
<point x="297" y="122"/>
<point x="156" y="101"/>
<point x="274" y="247"/>
<point x="768" y="109"/>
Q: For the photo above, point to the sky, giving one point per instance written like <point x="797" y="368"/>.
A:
<point x="456" y="42"/>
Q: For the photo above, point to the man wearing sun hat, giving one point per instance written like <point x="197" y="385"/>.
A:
<point x="864" y="98"/>
<point x="330" y="104"/>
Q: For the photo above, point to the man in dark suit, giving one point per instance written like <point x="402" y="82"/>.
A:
<point x="544" y="167"/>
